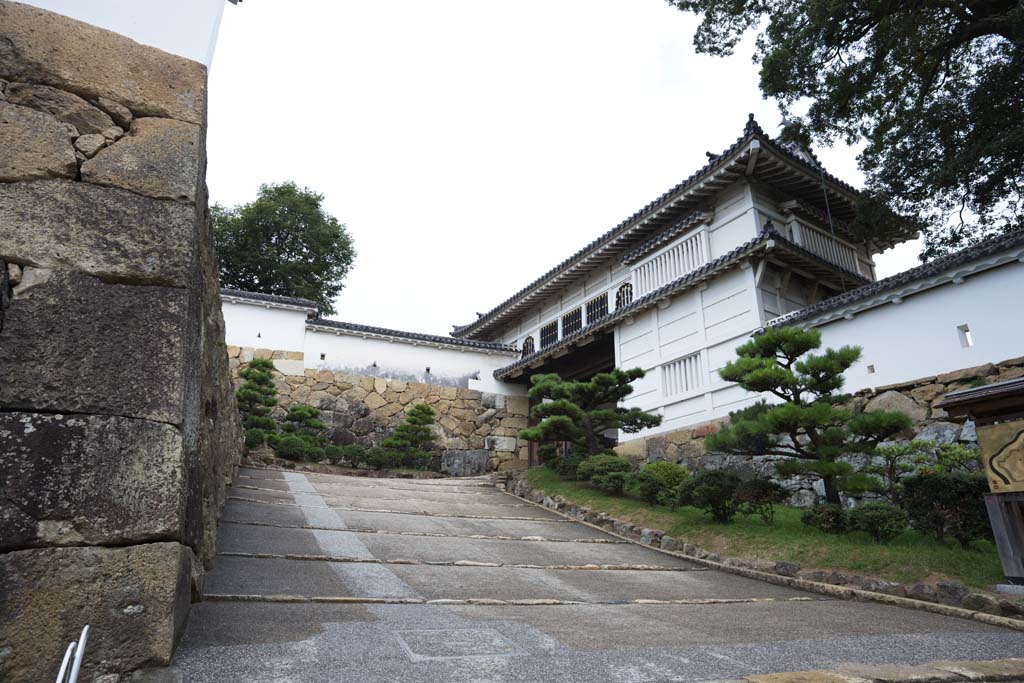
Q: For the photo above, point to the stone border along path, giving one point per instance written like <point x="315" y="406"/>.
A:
<point x="941" y="671"/>
<point x="298" y="595"/>
<point x="828" y="589"/>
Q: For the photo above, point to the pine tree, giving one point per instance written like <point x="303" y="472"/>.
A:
<point x="414" y="431"/>
<point x="580" y="412"/>
<point x="809" y="425"/>
<point x="256" y="397"/>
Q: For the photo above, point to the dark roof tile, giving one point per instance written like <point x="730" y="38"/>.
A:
<point x="932" y="268"/>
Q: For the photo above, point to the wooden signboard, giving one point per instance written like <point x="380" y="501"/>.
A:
<point x="1002" y="454"/>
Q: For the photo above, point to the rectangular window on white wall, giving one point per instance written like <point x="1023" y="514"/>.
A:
<point x="672" y="264"/>
<point x="549" y="334"/>
<point x="597" y="308"/>
<point x="572" y="322"/>
<point x="683" y="375"/>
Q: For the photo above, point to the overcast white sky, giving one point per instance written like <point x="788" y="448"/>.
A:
<point x="470" y="145"/>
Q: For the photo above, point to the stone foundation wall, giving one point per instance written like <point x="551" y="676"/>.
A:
<point x="475" y="431"/>
<point x="916" y="398"/>
<point x="118" y="426"/>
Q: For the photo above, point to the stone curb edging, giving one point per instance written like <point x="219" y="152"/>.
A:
<point x="243" y="499"/>
<point x="941" y="671"/>
<point x="831" y="590"/>
<point x="489" y="602"/>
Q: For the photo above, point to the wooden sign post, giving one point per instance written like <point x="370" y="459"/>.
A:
<point x="998" y="414"/>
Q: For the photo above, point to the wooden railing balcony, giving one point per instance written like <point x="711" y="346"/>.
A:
<point x="671" y="264"/>
<point x="822" y="244"/>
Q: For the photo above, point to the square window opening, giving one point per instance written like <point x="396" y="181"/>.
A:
<point x="966" y="339"/>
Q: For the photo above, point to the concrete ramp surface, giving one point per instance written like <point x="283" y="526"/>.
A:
<point x="333" y="578"/>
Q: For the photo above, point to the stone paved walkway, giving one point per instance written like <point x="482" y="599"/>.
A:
<point x="331" y="578"/>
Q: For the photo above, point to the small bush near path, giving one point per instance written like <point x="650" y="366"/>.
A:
<point x="657" y="482"/>
<point x="882" y="521"/>
<point x="908" y="558"/>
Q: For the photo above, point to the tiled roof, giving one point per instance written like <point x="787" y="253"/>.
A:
<point x="768" y="234"/>
<point x="751" y="131"/>
<point x="691" y="278"/>
<point x="269" y="298"/>
<point x="663" y="237"/>
<point x="410" y="336"/>
<point x="933" y="268"/>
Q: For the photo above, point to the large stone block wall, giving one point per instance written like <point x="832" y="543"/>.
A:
<point x="118" y="424"/>
<point x="916" y="398"/>
<point x="474" y="430"/>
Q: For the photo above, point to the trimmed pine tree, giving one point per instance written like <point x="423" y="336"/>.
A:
<point x="809" y="424"/>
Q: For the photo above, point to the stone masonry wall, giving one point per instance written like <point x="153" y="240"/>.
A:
<point x="118" y="425"/>
<point x="474" y="431"/>
<point x="916" y="398"/>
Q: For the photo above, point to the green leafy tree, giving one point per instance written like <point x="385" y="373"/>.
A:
<point x="809" y="425"/>
<point x="935" y="88"/>
<point x="579" y="412"/>
<point x="283" y="243"/>
<point x="893" y="462"/>
<point x="304" y="422"/>
<point x="256" y="398"/>
<point x="414" y="431"/>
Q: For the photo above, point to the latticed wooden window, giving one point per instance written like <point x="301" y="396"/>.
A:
<point x="572" y="322"/>
<point x="528" y="346"/>
<point x="549" y="334"/>
<point x="623" y="296"/>
<point x="597" y="308"/>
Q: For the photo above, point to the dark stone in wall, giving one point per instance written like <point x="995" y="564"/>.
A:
<point x="71" y="343"/>
<point x="135" y="600"/>
<point x="88" y="479"/>
<point x="107" y="232"/>
<point x="220" y="431"/>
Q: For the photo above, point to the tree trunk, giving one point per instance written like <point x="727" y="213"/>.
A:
<point x="589" y="434"/>
<point x="831" y="492"/>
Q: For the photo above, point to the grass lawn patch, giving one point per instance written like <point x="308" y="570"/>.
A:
<point x="910" y="558"/>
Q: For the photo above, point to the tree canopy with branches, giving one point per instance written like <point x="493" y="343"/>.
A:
<point x="809" y="424"/>
<point x="935" y="88"/>
<point x="283" y="243"/>
<point x="580" y="412"/>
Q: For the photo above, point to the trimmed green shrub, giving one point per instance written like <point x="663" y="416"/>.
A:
<point x="714" y="492"/>
<point x="256" y="395"/>
<point x="255" y="437"/>
<point x="416" y="459"/>
<point x="567" y="465"/>
<point x="832" y="519"/>
<point x="334" y="453"/>
<point x="383" y="459"/>
<point x="757" y="497"/>
<point x="610" y="482"/>
<point x="657" y="481"/>
<point x="292" y="447"/>
<point x="354" y="454"/>
<point x="414" y="431"/>
<point x="952" y="504"/>
<point x="883" y="521"/>
<point x="599" y="465"/>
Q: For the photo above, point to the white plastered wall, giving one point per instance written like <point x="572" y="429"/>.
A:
<point x="407" y="360"/>
<point x="263" y="327"/>
<point x="919" y="337"/>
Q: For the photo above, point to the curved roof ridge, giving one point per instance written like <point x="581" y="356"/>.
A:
<point x="751" y="131"/>
<point x="411" y="336"/>
<point x="932" y="268"/>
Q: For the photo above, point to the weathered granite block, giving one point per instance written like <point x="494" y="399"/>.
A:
<point x="135" y="600"/>
<point x="464" y="463"/>
<point x="65" y="106"/>
<point x="159" y="158"/>
<point x="71" y="343"/>
<point x="35" y="145"/>
<point x="107" y="232"/>
<point x="87" y="479"/>
<point x="48" y="48"/>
